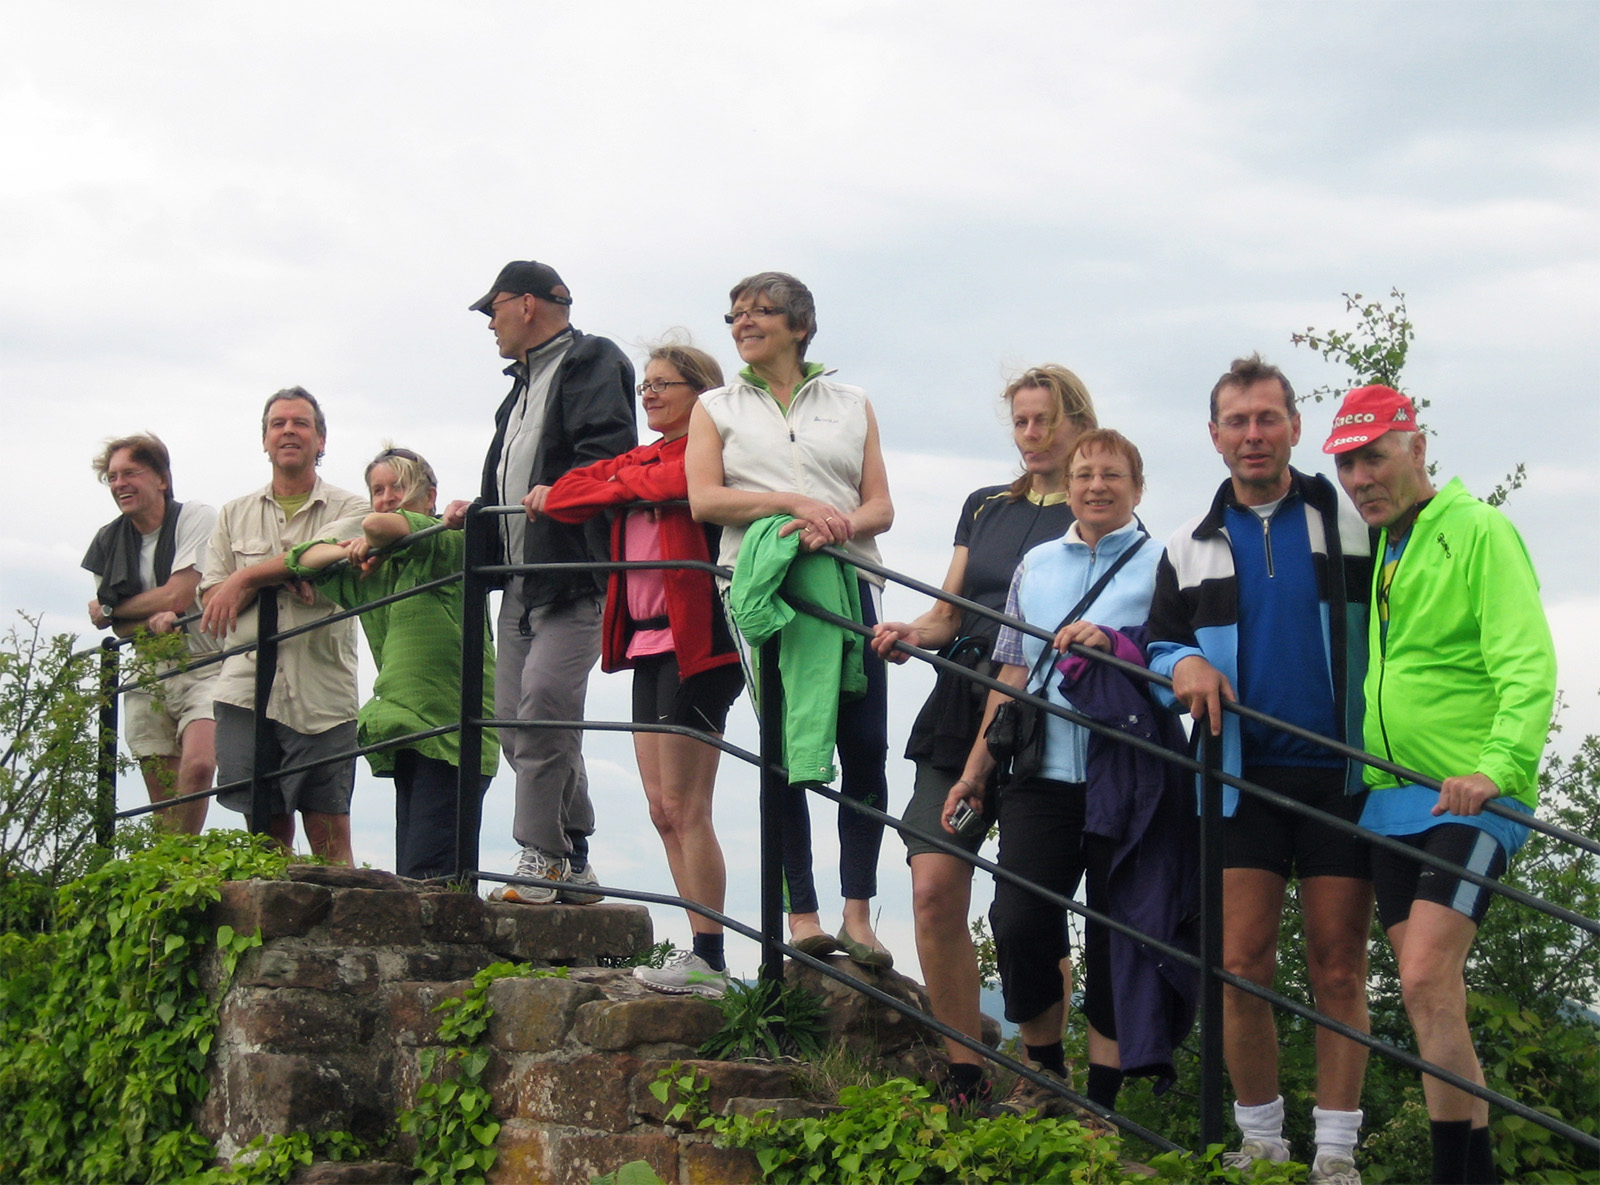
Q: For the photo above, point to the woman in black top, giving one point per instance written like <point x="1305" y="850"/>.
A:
<point x="1049" y="408"/>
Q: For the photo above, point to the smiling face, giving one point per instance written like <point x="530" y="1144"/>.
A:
<point x="1044" y="438"/>
<point x="291" y="440"/>
<point x="1255" y="434"/>
<point x="1102" y="492"/>
<point x="388" y="492"/>
<point x="764" y="339"/>
<point x="1387" y="479"/>
<point x="667" y="412"/>
<point x="139" y="491"/>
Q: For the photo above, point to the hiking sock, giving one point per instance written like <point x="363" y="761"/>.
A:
<point x="1451" y="1138"/>
<point x="1264" y="1121"/>
<point x="1481" y="1168"/>
<point x="710" y="948"/>
<point x="1052" y="1057"/>
<point x="1104" y="1083"/>
<point x="1336" y="1131"/>
<point x="965" y="1077"/>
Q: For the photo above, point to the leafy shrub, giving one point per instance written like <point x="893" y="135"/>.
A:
<point x="767" y="1019"/>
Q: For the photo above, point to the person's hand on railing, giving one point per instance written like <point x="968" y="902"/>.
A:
<point x="1465" y="794"/>
<point x="100" y="619"/>
<point x="162" y="623"/>
<point x="1085" y="633"/>
<point x="455" y="514"/>
<point x="534" y="502"/>
<point x="1202" y="689"/>
<point x="886" y="633"/>
<point x="224" y="603"/>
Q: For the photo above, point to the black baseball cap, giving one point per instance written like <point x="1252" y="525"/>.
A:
<point x="524" y="276"/>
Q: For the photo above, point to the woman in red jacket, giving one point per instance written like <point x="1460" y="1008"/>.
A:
<point x="667" y="625"/>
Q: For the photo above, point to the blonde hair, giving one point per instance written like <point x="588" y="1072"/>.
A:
<point x="416" y="476"/>
<point x="1072" y="406"/>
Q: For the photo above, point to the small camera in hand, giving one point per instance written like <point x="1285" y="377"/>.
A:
<point x="966" y="822"/>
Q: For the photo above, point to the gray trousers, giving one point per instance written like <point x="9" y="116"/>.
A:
<point x="542" y="673"/>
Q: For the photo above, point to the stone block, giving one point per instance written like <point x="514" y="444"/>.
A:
<point x="580" y="1159"/>
<point x="727" y="1080"/>
<point x="858" y="1020"/>
<point x="535" y="1015"/>
<point x="320" y="970"/>
<point x="431" y="965"/>
<point x="684" y="1020"/>
<point x="355" y="1172"/>
<point x="337" y="876"/>
<point x="579" y="935"/>
<point x="372" y="917"/>
<point x="278" y="1093"/>
<point x="591" y="1092"/>
<point x="293" y="1020"/>
<point x="777" y="1110"/>
<point x="453" y="917"/>
<point x="410" y="1007"/>
<point x="526" y="1155"/>
<point x="706" y="1164"/>
<point x="279" y="909"/>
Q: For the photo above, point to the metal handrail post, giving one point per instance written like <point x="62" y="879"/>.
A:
<point x="105" y="798"/>
<point x="1210" y="938"/>
<point x="266" y="672"/>
<point x="773" y="788"/>
<point x="474" y="616"/>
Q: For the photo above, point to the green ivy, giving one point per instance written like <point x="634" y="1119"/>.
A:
<point x="451" y="1121"/>
<point x="272" y="1160"/>
<point x="106" y="1027"/>
<point x="895" y="1132"/>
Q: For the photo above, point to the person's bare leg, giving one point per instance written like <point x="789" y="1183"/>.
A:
<point x="679" y="775"/>
<point x="1338" y="925"/>
<point x="941" y="897"/>
<point x="1046" y="1028"/>
<point x="281" y="828"/>
<point x="161" y="783"/>
<point x="1252" y="908"/>
<point x="329" y="836"/>
<point x="1431" y="949"/>
<point x="1103" y="1050"/>
<point x="803" y="926"/>
<point x="858" y="921"/>
<point x="197" y="769"/>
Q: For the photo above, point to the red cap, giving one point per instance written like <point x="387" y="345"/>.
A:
<point x="1366" y="414"/>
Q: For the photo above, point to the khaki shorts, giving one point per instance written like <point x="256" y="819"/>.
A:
<point x="155" y="729"/>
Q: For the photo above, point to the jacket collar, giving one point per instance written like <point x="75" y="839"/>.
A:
<point x="1316" y="490"/>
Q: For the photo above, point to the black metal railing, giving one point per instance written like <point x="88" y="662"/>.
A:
<point x="479" y="576"/>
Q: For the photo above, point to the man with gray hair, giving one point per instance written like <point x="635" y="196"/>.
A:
<point x="1462" y="690"/>
<point x="313" y="702"/>
<point x="146" y="564"/>
<point x="570" y="404"/>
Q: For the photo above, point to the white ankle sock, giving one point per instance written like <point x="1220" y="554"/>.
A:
<point x="1337" y="1131"/>
<point x="1263" y="1122"/>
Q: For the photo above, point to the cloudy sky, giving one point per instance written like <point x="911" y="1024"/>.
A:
<point x="203" y="203"/>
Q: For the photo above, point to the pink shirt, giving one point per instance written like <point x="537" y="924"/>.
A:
<point x="647" y="590"/>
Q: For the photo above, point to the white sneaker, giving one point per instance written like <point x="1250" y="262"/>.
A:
<point x="537" y="864"/>
<point x="1333" y="1169"/>
<point x="585" y="876"/>
<point x="684" y="974"/>
<point x="1251" y="1151"/>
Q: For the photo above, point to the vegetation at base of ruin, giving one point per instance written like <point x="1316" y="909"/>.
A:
<point x="655" y="955"/>
<point x="104" y="1023"/>
<point x="454" y="1130"/>
<point x="767" y="1019"/>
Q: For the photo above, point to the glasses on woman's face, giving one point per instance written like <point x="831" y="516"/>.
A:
<point x="753" y="311"/>
<point x="660" y="385"/>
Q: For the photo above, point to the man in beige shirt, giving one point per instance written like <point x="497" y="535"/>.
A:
<point x="313" y="702"/>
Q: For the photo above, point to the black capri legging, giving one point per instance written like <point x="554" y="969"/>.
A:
<point x="1042" y="839"/>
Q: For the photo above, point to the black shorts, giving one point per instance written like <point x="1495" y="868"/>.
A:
<point x="1260" y="835"/>
<point x="701" y="701"/>
<point x="1398" y="881"/>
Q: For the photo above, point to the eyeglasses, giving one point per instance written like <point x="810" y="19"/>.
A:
<point x="1268" y="421"/>
<point x="759" y="310"/>
<point x="116" y="475"/>
<point x="1083" y="477"/>
<point x="494" y="304"/>
<point x="660" y="385"/>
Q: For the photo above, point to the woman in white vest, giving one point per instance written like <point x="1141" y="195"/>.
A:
<point x="784" y="438"/>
